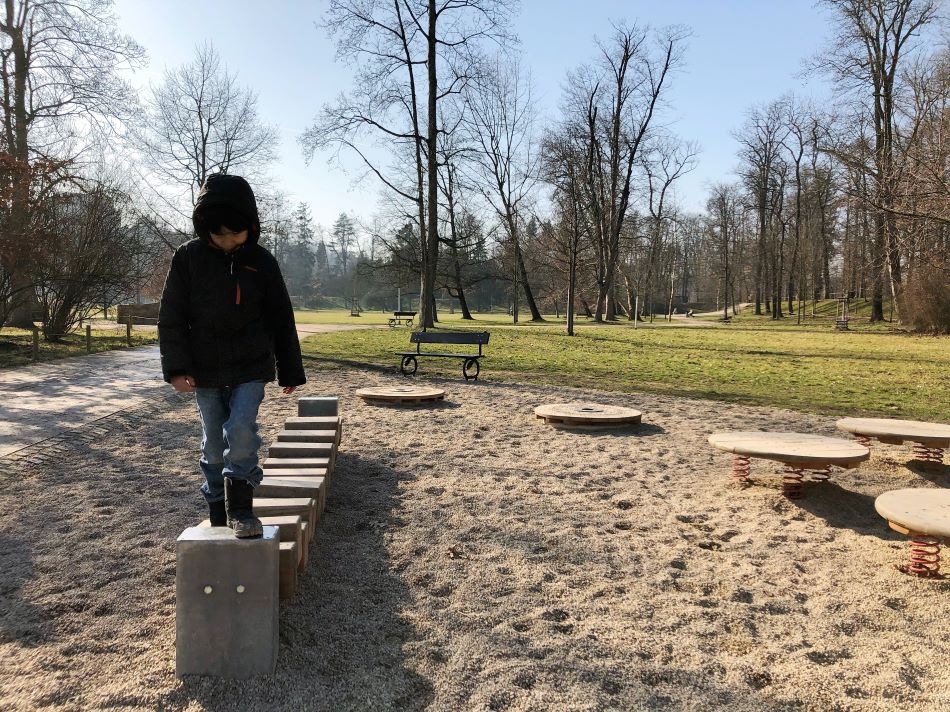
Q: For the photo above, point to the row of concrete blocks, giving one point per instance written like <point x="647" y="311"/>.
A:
<point x="228" y="589"/>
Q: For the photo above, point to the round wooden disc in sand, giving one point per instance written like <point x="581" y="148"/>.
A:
<point x="405" y="395"/>
<point x="921" y="510"/>
<point x="896" y="431"/>
<point x="815" y="451"/>
<point x="588" y="415"/>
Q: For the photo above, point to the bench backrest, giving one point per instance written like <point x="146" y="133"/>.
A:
<point x="400" y="313"/>
<point x="449" y="337"/>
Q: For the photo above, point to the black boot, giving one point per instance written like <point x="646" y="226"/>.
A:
<point x="239" y="498"/>
<point x="218" y="513"/>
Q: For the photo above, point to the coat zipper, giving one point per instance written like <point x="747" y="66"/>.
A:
<point x="237" y="285"/>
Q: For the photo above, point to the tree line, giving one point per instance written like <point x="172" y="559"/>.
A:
<point x="848" y="199"/>
<point x="483" y="201"/>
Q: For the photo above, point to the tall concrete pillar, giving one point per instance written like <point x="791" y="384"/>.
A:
<point x="227" y="603"/>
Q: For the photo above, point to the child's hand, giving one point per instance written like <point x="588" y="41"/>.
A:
<point x="184" y="384"/>
<point x="289" y="389"/>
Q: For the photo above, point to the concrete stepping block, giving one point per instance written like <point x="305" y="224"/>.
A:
<point x="288" y="524"/>
<point x="313" y="487"/>
<point x="314" y="423"/>
<point x="310" y="406"/>
<point x="226" y="603"/>
<point x="303" y="451"/>
<point x="285" y="449"/>
<point x="304" y="507"/>
<point x="308" y="436"/>
<point x="307" y="463"/>
<point x="300" y="474"/>
<point x="289" y="565"/>
<point x="588" y="415"/>
<point x="290" y="528"/>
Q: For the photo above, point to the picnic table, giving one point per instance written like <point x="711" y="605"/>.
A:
<point x="801" y="453"/>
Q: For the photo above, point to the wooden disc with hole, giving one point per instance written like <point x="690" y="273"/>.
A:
<point x="889" y="430"/>
<point x="810" y="451"/>
<point x="401" y="395"/>
<point x="588" y="415"/>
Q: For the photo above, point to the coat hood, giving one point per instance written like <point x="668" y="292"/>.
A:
<point x="232" y="192"/>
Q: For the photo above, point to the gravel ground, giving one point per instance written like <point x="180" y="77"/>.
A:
<point x="473" y="558"/>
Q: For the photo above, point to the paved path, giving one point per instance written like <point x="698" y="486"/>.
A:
<point x="43" y="400"/>
<point x="39" y="401"/>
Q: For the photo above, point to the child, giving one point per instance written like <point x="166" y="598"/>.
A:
<point x="224" y="318"/>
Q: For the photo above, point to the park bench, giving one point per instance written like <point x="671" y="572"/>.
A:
<point x="410" y="362"/>
<point x="402" y="318"/>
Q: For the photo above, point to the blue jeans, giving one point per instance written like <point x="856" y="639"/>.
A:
<point x="230" y="441"/>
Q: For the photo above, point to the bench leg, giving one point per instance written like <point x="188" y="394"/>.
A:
<point x="408" y="361"/>
<point x="467" y="366"/>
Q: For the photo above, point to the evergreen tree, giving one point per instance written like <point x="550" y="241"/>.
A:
<point x="343" y="242"/>
<point x="299" y="256"/>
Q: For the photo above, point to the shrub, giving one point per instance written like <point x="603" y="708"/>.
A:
<point x="926" y="298"/>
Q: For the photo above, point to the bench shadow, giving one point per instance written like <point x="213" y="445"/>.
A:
<point x="342" y="635"/>
<point x="845" y="509"/>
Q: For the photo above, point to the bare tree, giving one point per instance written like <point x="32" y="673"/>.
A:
<point x="564" y="163"/>
<point x="200" y="121"/>
<point x="58" y="63"/>
<point x="505" y="160"/>
<point x="616" y="102"/>
<point x="666" y="162"/>
<point x="873" y="41"/>
<point x="94" y="261"/>
<point x="761" y="143"/>
<point x="393" y="103"/>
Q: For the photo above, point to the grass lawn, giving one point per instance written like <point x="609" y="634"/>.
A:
<point x="16" y="344"/>
<point x="370" y="318"/>
<point x="806" y="368"/>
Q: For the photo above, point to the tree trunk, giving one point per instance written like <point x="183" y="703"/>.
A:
<point x="430" y="247"/>
<point x="463" y="304"/>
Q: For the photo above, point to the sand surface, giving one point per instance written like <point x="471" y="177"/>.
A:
<point x="473" y="558"/>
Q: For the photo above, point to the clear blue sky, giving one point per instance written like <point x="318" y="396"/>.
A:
<point x="742" y="52"/>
